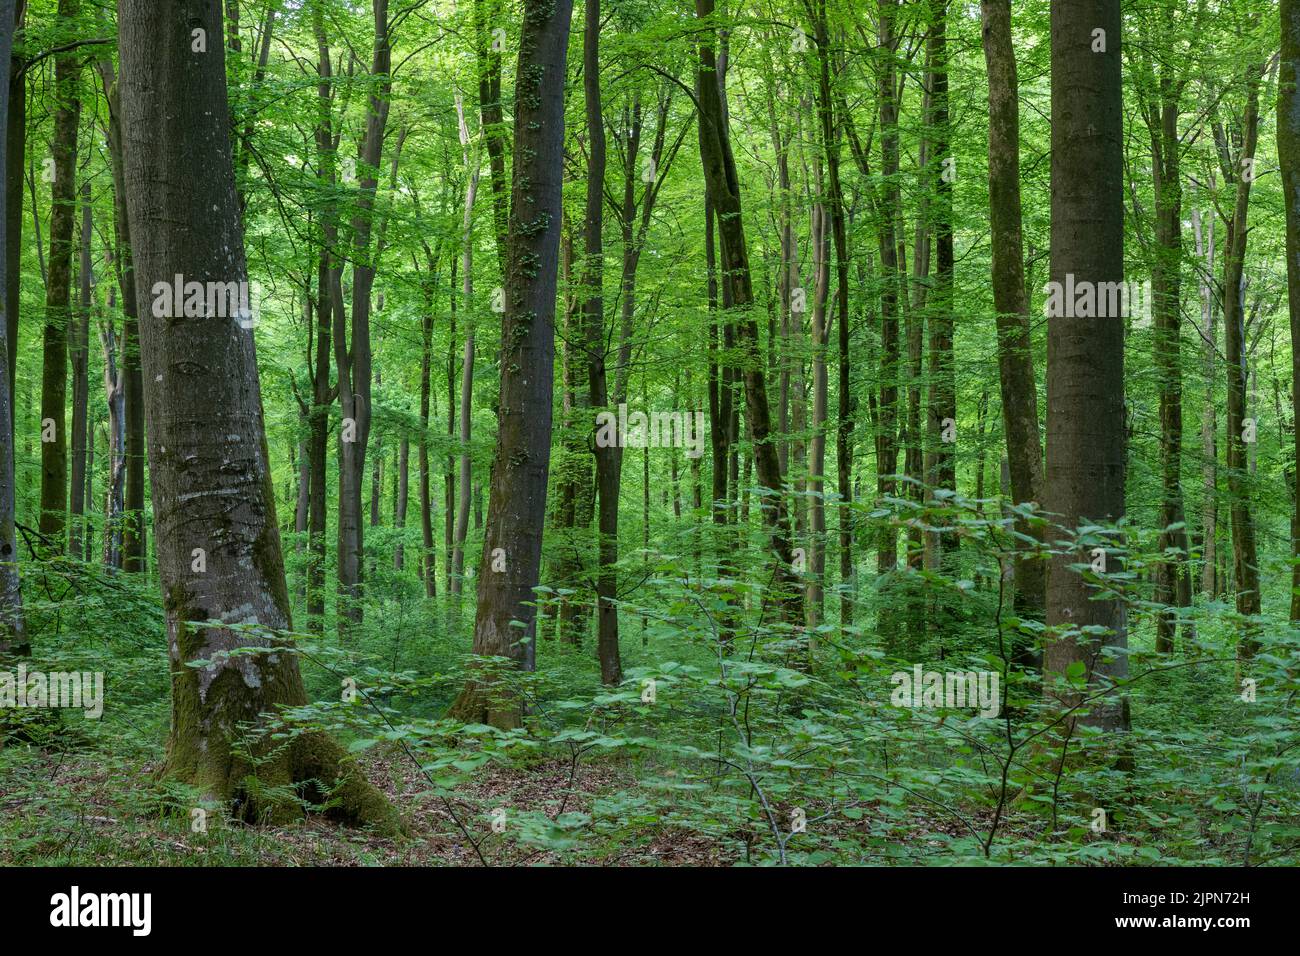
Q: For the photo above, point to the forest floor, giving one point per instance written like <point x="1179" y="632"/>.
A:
<point x="92" y="814"/>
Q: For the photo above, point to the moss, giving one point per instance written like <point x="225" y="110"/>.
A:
<point x="480" y="702"/>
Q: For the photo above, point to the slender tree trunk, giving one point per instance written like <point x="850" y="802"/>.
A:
<point x="1288" y="156"/>
<point x="1173" y="585"/>
<point x="15" y="76"/>
<point x="608" y="456"/>
<point x="354" y="357"/>
<point x="115" y="399"/>
<point x="13" y="630"/>
<point x="887" y="409"/>
<point x="467" y="360"/>
<point x="723" y="185"/>
<point x="941" y="453"/>
<point x="207" y="441"/>
<point x="1244" y="559"/>
<point x="133" y="529"/>
<point x="1209" y="424"/>
<point x="1015" y="344"/>
<point x="1085" y="355"/>
<point x="512" y="545"/>
<point x="58" y="295"/>
<point x="835" y="201"/>
<point x="80" y="354"/>
<point x="427" y="563"/>
<point x="403" y="493"/>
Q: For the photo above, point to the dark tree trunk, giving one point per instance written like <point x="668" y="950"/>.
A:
<point x="723" y="185"/>
<point x="844" y="433"/>
<point x="1173" y="582"/>
<point x="891" y="201"/>
<point x="207" y="441"/>
<point x="13" y="631"/>
<point x="1085" y="355"/>
<point x="80" y="354"/>
<point x="15" y="77"/>
<point x="1288" y="156"/>
<point x="1015" y="345"/>
<point x="402" y="492"/>
<point x="353" y="357"/>
<point x="1245" y="562"/>
<point x="941" y="454"/>
<point x="608" y="457"/>
<point x="512" y="545"/>
<point x="58" y="295"/>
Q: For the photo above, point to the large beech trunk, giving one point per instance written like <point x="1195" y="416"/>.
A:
<point x="1085" y="356"/>
<point x="217" y="543"/>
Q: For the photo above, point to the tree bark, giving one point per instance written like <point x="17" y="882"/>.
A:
<point x="1015" y="344"/>
<point x="941" y="454"/>
<point x="1288" y="156"/>
<point x="15" y="78"/>
<point x="723" y="185"/>
<point x="58" y="295"/>
<point x="80" y="355"/>
<point x="512" y="545"/>
<point x="13" y="630"/>
<point x="1085" y="356"/>
<point x="207" y="440"/>
<point x="1245" y="562"/>
<point x="608" y="456"/>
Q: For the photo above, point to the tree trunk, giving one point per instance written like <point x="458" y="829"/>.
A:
<point x="15" y="78"/>
<point x="353" y="358"/>
<point x="1245" y="562"/>
<point x="512" y="545"/>
<point x="1173" y="585"/>
<point x="1288" y="157"/>
<point x="13" y="631"/>
<point x="723" y="185"/>
<point x="58" y="294"/>
<point x="835" y="201"/>
<point x="941" y="453"/>
<point x="1209" y="425"/>
<point x="80" y="354"/>
<point x="467" y="359"/>
<point x="1015" y="344"/>
<point x="608" y="456"/>
<point x="1085" y="355"/>
<point x="207" y="441"/>
<point x="115" y="399"/>
<point x="133" y="529"/>
<point x="887" y="411"/>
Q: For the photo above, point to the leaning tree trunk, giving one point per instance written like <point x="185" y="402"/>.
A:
<point x="1288" y="159"/>
<point x="217" y="543"/>
<point x="505" y="623"/>
<point x="13" y="634"/>
<point x="1015" y="345"/>
<point x="1085" y="355"/>
<point x="723" y="187"/>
